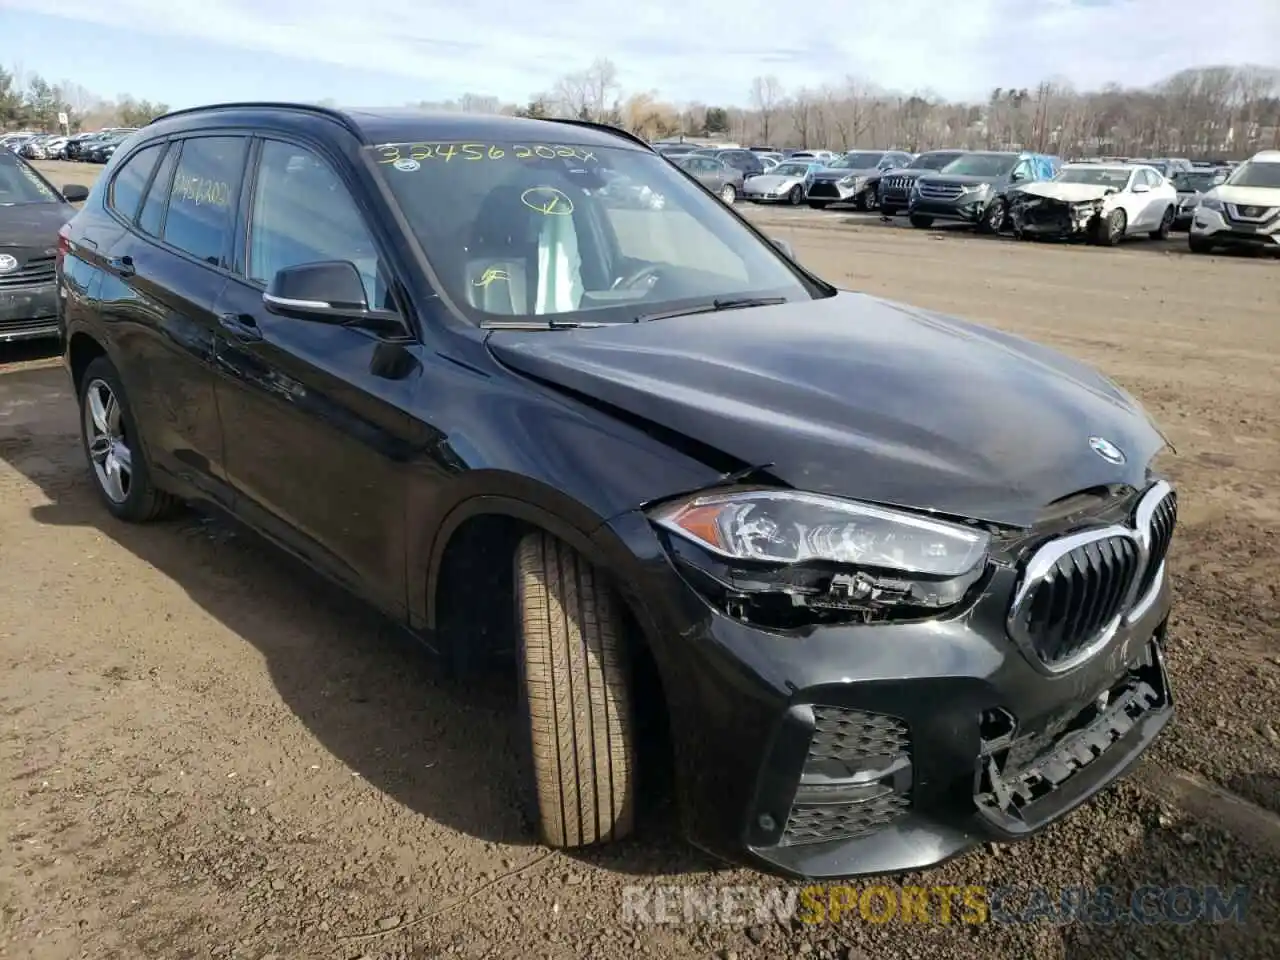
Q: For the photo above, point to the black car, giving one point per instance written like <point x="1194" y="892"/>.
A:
<point x="32" y="211"/>
<point x="747" y="162"/>
<point x="895" y="185"/>
<point x="893" y="582"/>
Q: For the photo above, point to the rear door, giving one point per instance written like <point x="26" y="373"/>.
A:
<point x="161" y="280"/>
<point x="318" y="437"/>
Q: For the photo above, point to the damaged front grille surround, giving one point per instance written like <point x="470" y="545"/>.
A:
<point x="1015" y="773"/>
<point x="857" y="777"/>
<point x="1076" y="591"/>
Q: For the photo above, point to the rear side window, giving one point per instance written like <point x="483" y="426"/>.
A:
<point x="202" y="201"/>
<point x="151" y="220"/>
<point x="127" y="187"/>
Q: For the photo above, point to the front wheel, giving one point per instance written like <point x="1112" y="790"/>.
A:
<point x="729" y="193"/>
<point x="921" y="222"/>
<point x="576" y="689"/>
<point x="1166" y="225"/>
<point x="118" y="465"/>
<point x="796" y="196"/>
<point x="1110" y="229"/>
<point x="1199" y="244"/>
<point x="993" y="218"/>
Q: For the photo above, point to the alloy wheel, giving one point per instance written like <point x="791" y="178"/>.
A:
<point x="108" y="446"/>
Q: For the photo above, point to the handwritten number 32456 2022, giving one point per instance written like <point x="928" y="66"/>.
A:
<point x="395" y="152"/>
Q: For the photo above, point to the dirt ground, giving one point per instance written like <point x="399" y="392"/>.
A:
<point x="207" y="752"/>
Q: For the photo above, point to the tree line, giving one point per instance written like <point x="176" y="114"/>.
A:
<point x="1200" y="112"/>
<point x="28" y="101"/>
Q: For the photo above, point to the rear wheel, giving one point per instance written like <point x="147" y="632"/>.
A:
<point x="118" y="464"/>
<point x="729" y="193"/>
<point x="576" y="688"/>
<point x="796" y="196"/>
<point x="920" y="221"/>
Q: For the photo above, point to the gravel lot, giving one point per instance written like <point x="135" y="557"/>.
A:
<point x="205" y="751"/>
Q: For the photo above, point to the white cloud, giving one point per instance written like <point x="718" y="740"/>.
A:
<point x="711" y="49"/>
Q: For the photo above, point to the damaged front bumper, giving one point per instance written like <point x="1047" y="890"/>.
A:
<point x="836" y="191"/>
<point x="842" y="749"/>
<point x="1045" y="217"/>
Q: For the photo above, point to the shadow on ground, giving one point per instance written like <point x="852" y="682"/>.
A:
<point x="373" y="696"/>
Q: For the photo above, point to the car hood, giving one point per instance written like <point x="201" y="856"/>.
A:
<point x="773" y="182"/>
<point x="860" y="397"/>
<point x="959" y="178"/>
<point x="33" y="226"/>
<point x="1248" y="196"/>
<point x="842" y="173"/>
<point x="1067" y="192"/>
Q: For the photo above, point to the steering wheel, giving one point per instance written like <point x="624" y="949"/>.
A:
<point x="648" y="272"/>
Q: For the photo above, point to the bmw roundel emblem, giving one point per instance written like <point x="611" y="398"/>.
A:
<point x="7" y="263"/>
<point x="1107" y="450"/>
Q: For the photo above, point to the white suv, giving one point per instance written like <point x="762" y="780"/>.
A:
<point x="1242" y="211"/>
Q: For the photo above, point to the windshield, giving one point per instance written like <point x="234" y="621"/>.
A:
<point x="1097" y="176"/>
<point x="933" y="161"/>
<point x="857" y="161"/>
<point x="20" y="184"/>
<point x="1251" y="173"/>
<point x="1196" y="180"/>
<point x="521" y="230"/>
<point x="790" y="170"/>
<point x="982" y="165"/>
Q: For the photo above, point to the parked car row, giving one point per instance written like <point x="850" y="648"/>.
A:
<point x="97" y="146"/>
<point x="1102" y="199"/>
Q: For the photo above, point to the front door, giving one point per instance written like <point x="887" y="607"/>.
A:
<point x="318" y="440"/>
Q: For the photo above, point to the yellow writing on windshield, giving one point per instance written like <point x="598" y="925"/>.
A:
<point x="491" y="275"/>
<point x="547" y="200"/>
<point x="202" y="191"/>
<point x="419" y="152"/>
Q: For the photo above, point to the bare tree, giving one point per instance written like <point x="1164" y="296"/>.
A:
<point x="766" y="94"/>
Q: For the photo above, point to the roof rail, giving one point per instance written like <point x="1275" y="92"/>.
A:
<point x="328" y="112"/>
<point x="604" y="128"/>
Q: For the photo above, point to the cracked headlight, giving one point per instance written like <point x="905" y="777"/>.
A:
<point x="782" y="526"/>
<point x="784" y="558"/>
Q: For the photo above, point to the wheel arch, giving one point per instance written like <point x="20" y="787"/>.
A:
<point x="82" y="349"/>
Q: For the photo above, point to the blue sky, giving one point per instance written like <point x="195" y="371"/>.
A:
<point x="369" y="52"/>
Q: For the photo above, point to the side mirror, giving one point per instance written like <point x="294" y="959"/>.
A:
<point x="1141" y="188"/>
<point x="1017" y="176"/>
<point x="785" y="247"/>
<point x="75" y="193"/>
<point x="329" y="291"/>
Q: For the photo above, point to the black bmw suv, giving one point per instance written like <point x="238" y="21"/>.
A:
<point x="898" y="580"/>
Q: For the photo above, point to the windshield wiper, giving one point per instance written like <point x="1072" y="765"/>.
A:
<point x="715" y="306"/>
<point x="548" y="324"/>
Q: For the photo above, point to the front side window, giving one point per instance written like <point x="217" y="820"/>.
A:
<point x="533" y="229"/>
<point x="19" y="183"/>
<point x="127" y="187"/>
<point x="303" y="213"/>
<point x="202" y="200"/>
